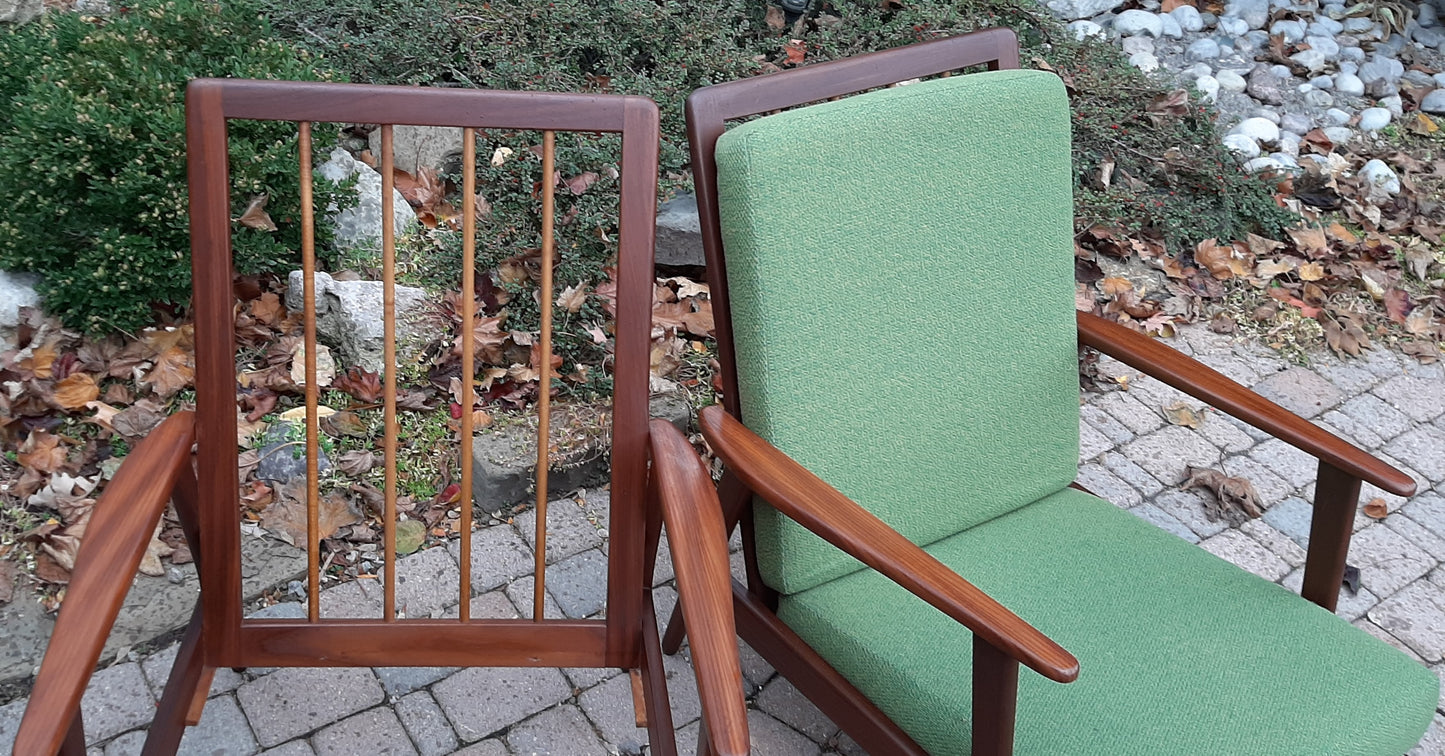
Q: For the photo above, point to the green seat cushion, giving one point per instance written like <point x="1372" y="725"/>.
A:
<point x="1179" y="651"/>
<point x="900" y="267"/>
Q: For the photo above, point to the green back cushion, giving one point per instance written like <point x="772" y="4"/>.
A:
<point x="1179" y="651"/>
<point x="900" y="265"/>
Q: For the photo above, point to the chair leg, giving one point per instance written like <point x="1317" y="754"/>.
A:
<point x="660" y="732"/>
<point x="184" y="696"/>
<point x="74" y="743"/>
<point x="995" y="700"/>
<point x="704" y="743"/>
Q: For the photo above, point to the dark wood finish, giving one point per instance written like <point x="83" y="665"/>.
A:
<point x="74" y="744"/>
<point x="995" y="699"/>
<point x="121" y="524"/>
<point x="1336" y="494"/>
<point x="817" y="506"/>
<point x="1198" y="380"/>
<point x="700" y="559"/>
<point x="207" y="497"/>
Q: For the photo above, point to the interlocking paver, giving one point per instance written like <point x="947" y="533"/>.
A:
<point x="294" y="748"/>
<point x="1292" y="517"/>
<point x="1415" y="615"/>
<point x="1166" y="453"/>
<point x="1131" y="473"/>
<point x="484" y="748"/>
<point x="1108" y="486"/>
<point x="1350" y="377"/>
<point x="1433" y="544"/>
<point x="1131" y="412"/>
<point x="1092" y="443"/>
<point x="1105" y="423"/>
<point x="498" y="555"/>
<point x="426" y="583"/>
<point x="294" y="701"/>
<point x="426" y="724"/>
<point x="1351" y="606"/>
<point x="783" y="702"/>
<point x="1301" y="391"/>
<point x="157" y="669"/>
<point x="1228" y="436"/>
<point x="117" y="700"/>
<point x="1422" y="398"/>
<point x="1190" y="508"/>
<point x="769" y="737"/>
<point x="609" y="707"/>
<point x="374" y="731"/>
<point x="1428" y="509"/>
<point x="1387" y="560"/>
<point x="1422" y="448"/>
<point x="480" y="701"/>
<point x="559" y="731"/>
<point x="1278" y="543"/>
<point x="519" y="592"/>
<point x="1365" y="624"/>
<point x="1162" y="519"/>
<point x="399" y="681"/>
<point x="1374" y="414"/>
<point x="1286" y="461"/>
<point x="1271" y="487"/>
<point x="222" y="731"/>
<point x="127" y="744"/>
<point x="579" y="584"/>
<point x="10" y="715"/>
<point x="1245" y="552"/>
<point x="568" y="530"/>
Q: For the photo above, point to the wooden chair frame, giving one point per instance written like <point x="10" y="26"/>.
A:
<point x="756" y="469"/>
<point x="207" y="503"/>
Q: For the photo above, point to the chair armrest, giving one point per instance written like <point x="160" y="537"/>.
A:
<point x="819" y="507"/>
<point x="699" y="554"/>
<point x="120" y="528"/>
<point x="1194" y="378"/>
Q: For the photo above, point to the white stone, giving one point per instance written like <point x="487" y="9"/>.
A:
<point x="1297" y="123"/>
<point x="1197" y="70"/>
<point x="1084" y="28"/>
<point x="1323" y="82"/>
<point x="1134" y="45"/>
<point x="1380" y="176"/>
<point x="1340" y="135"/>
<point x="1074" y="9"/>
<point x="1145" y="62"/>
<point x="1394" y="104"/>
<point x="1431" y="38"/>
<point x="1258" y="129"/>
<point x="415" y="146"/>
<point x="1319" y="99"/>
<point x="16" y="290"/>
<point x="350" y="315"/>
<point x="1208" y="87"/>
<point x="1255" y="13"/>
<point x="360" y="224"/>
<point x="1292" y="30"/>
<point x="1325" y="26"/>
<point x="1381" y="67"/>
<point x="1260" y="164"/>
<point x="20" y="11"/>
<point x="1354" y="54"/>
<point x="1349" y="67"/>
<point x="1337" y="117"/>
<point x="1132" y="22"/>
<point x="1349" y="84"/>
<point x="1374" y="119"/>
<point x="1241" y="145"/>
<point x="1268" y="115"/>
<point x="1428" y="15"/>
<point x="1187" y="16"/>
<point x="1285" y="160"/>
<point x="1326" y="45"/>
<point x="1202" y="49"/>
<point x="1235" y="27"/>
<point x="1434" y="102"/>
<point x="1357" y="24"/>
<point x="1229" y="81"/>
<point x="1314" y="60"/>
<point x="1170" y="26"/>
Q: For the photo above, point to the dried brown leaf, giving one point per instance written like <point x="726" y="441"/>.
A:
<point x="1376" y="508"/>
<point x="1235" y="493"/>
<point x="1180" y="413"/>
<point x="256" y="216"/>
<point x="76" y="391"/>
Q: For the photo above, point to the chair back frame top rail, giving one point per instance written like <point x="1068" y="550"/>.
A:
<point x="229" y="640"/>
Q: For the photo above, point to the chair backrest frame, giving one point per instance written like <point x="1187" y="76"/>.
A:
<point x="227" y="638"/>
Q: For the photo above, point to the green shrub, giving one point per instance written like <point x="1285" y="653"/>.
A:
<point x="92" y="158"/>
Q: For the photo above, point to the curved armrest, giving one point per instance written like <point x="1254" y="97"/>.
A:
<point x="699" y="554"/>
<point x="1194" y="378"/>
<point x="120" y="528"/>
<point x="819" y="507"/>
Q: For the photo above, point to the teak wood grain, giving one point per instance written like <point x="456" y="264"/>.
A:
<point x="208" y="503"/>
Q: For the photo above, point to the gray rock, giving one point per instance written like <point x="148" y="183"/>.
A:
<point x="1264" y="86"/>
<point x="1132" y="22"/>
<point x="1247" y="44"/>
<point x="1208" y="87"/>
<point x="1314" y="60"/>
<point x="1188" y="18"/>
<point x="1258" y="129"/>
<point x="1323" y="82"/>
<point x="1292" y="30"/>
<point x="1439" y="79"/>
<point x="1074" y="9"/>
<point x="1282" y="71"/>
<point x="1380" y="177"/>
<point x="1380" y="88"/>
<point x="1297" y="123"/>
<point x="1229" y="81"/>
<point x="1319" y="99"/>
<point x="1381" y="67"/>
<point x="1325" y="26"/>
<point x="436" y="147"/>
<point x="1374" y="119"/>
<point x="1084" y="28"/>
<point x="1357" y="24"/>
<point x="1335" y="11"/>
<point x="1288" y="143"/>
<point x="1326" y="45"/>
<point x="1419" y="78"/>
<point x="1349" y="84"/>
<point x="1285" y="160"/>
<point x="1208" y="19"/>
<point x="679" y="235"/>
<point x="283" y="453"/>
<point x="1394" y="104"/>
<point x="1434" y="102"/>
<point x="1349" y="67"/>
<point x="20" y="11"/>
<point x="360" y="225"/>
<point x="1432" y="38"/>
<point x="1340" y="135"/>
<point x="1135" y="45"/>
<point x="1355" y="54"/>
<point x="1201" y="49"/>
<point x="1242" y="145"/>
<point x="1196" y="71"/>
<point x="1428" y="15"/>
<point x="1252" y="12"/>
<point x="1144" y="61"/>
<point x="1261" y="164"/>
<point x="16" y="290"/>
<point x="350" y="317"/>
<point x="1337" y="117"/>
<point x="1171" y="26"/>
<point x="1269" y="114"/>
<point x="1233" y="26"/>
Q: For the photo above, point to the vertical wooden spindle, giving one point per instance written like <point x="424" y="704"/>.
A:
<point x="313" y="473"/>
<point x="388" y="301"/>
<point x="544" y="381"/>
<point x="469" y="368"/>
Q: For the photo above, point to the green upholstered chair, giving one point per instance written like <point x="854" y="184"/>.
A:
<point x="892" y="275"/>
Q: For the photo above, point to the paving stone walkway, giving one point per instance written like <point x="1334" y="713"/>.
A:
<point x="1129" y="453"/>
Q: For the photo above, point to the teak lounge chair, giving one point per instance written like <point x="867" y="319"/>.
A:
<point x="892" y="280"/>
<point x="207" y="498"/>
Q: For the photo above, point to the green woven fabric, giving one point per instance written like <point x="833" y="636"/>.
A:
<point x="900" y="265"/>
<point x="1180" y="652"/>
